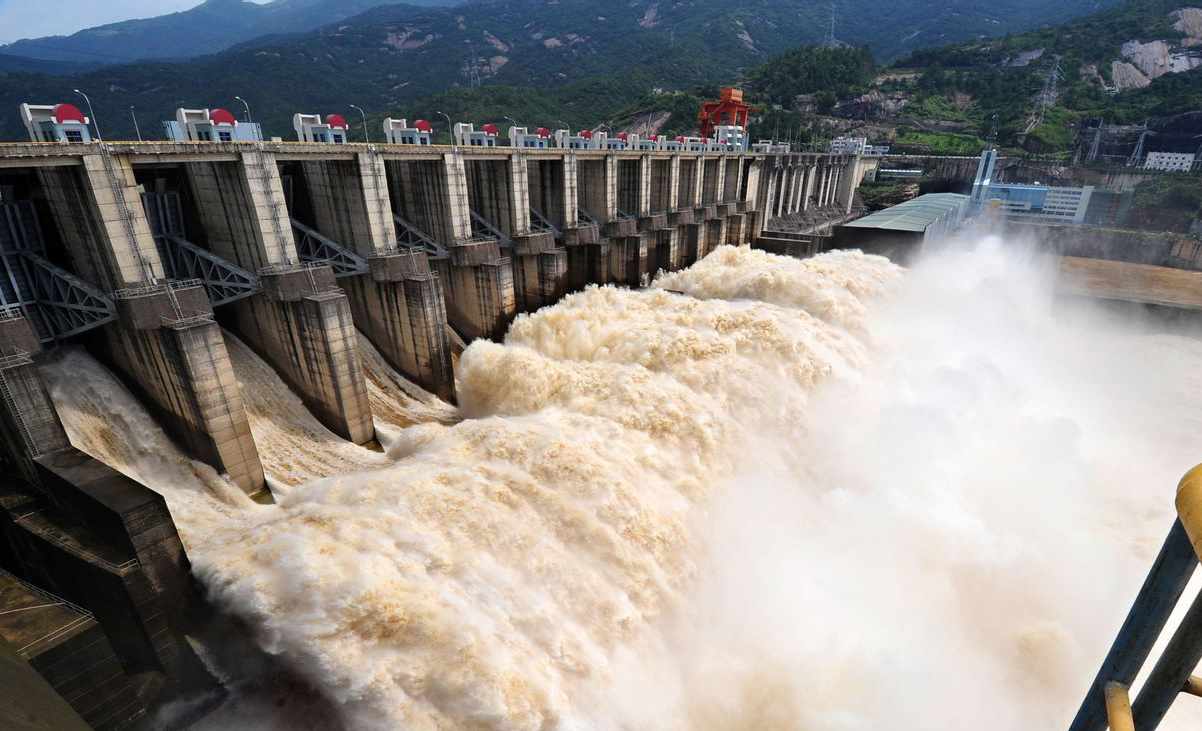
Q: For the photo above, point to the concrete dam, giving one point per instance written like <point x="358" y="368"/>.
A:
<point x="195" y="335"/>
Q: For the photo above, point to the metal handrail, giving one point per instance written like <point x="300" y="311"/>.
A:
<point x="1107" y="703"/>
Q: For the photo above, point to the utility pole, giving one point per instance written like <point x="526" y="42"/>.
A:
<point x="450" y="127"/>
<point x="366" y="134"/>
<point x="95" y="123"/>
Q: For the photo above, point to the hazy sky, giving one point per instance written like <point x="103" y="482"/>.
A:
<point x="35" y="18"/>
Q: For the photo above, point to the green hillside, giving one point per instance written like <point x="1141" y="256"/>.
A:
<point x="1000" y="78"/>
<point x="583" y="58"/>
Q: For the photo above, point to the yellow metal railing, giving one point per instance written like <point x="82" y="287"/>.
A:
<point x="1108" y="702"/>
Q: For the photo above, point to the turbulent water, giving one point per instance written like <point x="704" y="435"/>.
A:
<point x="763" y="494"/>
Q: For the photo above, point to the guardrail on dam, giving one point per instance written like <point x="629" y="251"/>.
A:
<point x="139" y="250"/>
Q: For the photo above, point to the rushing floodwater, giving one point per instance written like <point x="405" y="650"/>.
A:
<point x="820" y="494"/>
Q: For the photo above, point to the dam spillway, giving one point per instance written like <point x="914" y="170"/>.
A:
<point x="273" y="306"/>
<point x="533" y="556"/>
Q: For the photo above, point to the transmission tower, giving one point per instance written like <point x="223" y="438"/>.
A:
<point x="473" y="69"/>
<point x="1047" y="96"/>
<point x="1138" y="153"/>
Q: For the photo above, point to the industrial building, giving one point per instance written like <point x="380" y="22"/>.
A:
<point x="1170" y="162"/>
<point x="1028" y="203"/>
<point x="210" y="125"/>
<point x="856" y="146"/>
<point x="55" y="123"/>
<point x="894" y="231"/>
<point x="398" y="132"/>
<point x="312" y="128"/>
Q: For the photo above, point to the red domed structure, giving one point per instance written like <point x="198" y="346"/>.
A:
<point x="220" y="117"/>
<point x="68" y="113"/>
<point x="337" y="121"/>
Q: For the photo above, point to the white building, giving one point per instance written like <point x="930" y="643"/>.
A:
<point x="521" y="137"/>
<point x="1173" y="162"/>
<point x="210" y="125"/>
<point x="565" y="139"/>
<point x="398" y="132"/>
<point x="848" y="145"/>
<point x="55" y="123"/>
<point x="1036" y="203"/>
<point x="729" y="137"/>
<point x="311" y="128"/>
<point x="467" y="135"/>
<point x="768" y="147"/>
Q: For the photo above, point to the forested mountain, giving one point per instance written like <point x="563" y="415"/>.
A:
<point x="581" y="58"/>
<point x="1138" y="60"/>
<point x="212" y="26"/>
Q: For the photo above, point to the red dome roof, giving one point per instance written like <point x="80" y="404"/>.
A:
<point x="622" y="136"/>
<point x="490" y="130"/>
<point x="542" y="132"/>
<point x="423" y="125"/>
<point x="222" y="117"/>
<point x="653" y="138"/>
<point x="586" y="134"/>
<point x="336" y="121"/>
<point x="680" y="139"/>
<point x="68" y="113"/>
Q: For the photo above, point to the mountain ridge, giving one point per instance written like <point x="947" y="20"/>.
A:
<point x="388" y="57"/>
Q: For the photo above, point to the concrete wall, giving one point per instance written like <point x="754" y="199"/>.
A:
<point x="182" y="371"/>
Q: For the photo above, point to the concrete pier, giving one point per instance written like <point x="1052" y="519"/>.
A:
<point x="301" y="321"/>
<point x="398" y="302"/>
<point x="29" y="425"/>
<point x="58" y="671"/>
<point x="164" y="342"/>
<point x="170" y="350"/>
<point x="431" y="194"/>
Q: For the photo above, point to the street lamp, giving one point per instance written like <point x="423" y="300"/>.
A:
<point x="248" y="120"/>
<point x="94" y="122"/>
<point x="366" y="135"/>
<point x="450" y="127"/>
<point x="514" y="122"/>
<point x="138" y="131"/>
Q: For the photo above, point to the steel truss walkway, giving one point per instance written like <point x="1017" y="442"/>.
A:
<point x="56" y="303"/>
<point x="182" y="260"/>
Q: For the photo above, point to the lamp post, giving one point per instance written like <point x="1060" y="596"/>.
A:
<point x="514" y="122"/>
<point x="366" y="135"/>
<point x="95" y="123"/>
<point x="450" y="127"/>
<point x="136" y="129"/>
<point x="246" y="106"/>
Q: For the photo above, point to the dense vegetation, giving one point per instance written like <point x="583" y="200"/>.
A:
<point x="389" y="59"/>
<point x="834" y="72"/>
<point x="1097" y="38"/>
<point x="1000" y="94"/>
